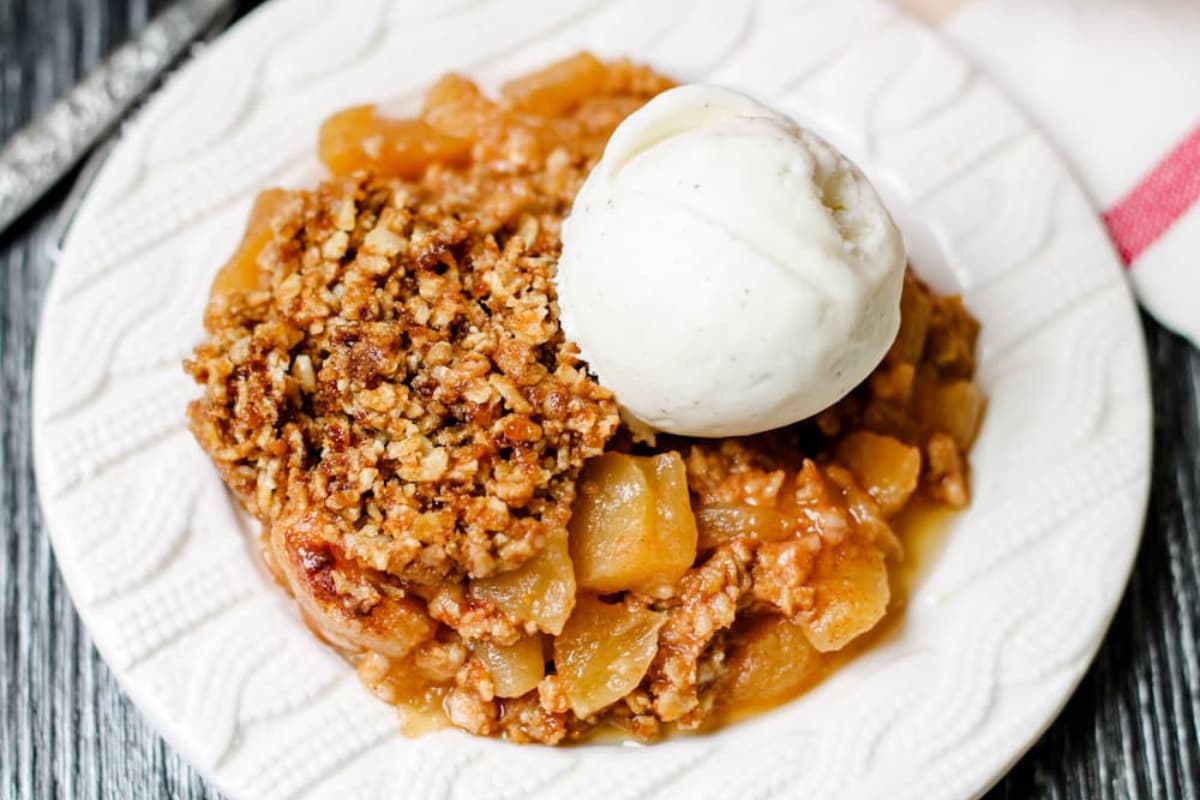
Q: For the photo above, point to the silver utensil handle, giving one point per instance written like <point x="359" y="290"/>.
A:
<point x="39" y="154"/>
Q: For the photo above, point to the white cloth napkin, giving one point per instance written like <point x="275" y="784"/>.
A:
<point x="1115" y="84"/>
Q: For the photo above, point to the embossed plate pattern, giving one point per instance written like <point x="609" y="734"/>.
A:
<point x="162" y="568"/>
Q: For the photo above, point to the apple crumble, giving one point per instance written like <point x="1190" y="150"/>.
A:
<point x="453" y="499"/>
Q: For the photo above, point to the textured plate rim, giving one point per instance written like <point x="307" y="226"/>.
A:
<point x="150" y="706"/>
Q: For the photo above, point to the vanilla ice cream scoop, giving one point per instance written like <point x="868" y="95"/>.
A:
<point x="724" y="271"/>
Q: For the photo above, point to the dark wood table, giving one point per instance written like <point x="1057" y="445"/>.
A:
<point x="66" y="730"/>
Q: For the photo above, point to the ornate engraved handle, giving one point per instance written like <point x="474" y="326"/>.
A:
<point x="40" y="153"/>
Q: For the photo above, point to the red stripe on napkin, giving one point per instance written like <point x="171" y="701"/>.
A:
<point x="1162" y="197"/>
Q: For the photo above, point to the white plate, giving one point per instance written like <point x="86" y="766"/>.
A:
<point x="998" y="633"/>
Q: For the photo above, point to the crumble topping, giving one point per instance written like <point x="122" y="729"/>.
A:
<point x="405" y="372"/>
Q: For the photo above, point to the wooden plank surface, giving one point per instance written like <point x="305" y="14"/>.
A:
<point x="1131" y="731"/>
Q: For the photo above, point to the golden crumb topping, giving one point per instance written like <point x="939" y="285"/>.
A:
<point x="406" y="373"/>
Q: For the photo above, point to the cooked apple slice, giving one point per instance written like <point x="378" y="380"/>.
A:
<point x="559" y="87"/>
<point x="952" y="406"/>
<point x="915" y="310"/>
<point x="719" y="524"/>
<point x="515" y="669"/>
<point x="771" y="662"/>
<point x="632" y="526"/>
<point x="851" y="594"/>
<point x="242" y="271"/>
<point x="886" y="467"/>
<point x="346" y="604"/>
<point x="604" y="651"/>
<point x="541" y="591"/>
<point x="455" y="107"/>
<point x="613" y="512"/>
<point x="359" y="138"/>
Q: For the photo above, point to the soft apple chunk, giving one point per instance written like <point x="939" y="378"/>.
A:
<point x="328" y="586"/>
<point x="360" y="139"/>
<point x="850" y="581"/>
<point x="558" y="88"/>
<point x="632" y="526"/>
<point x="613" y="510"/>
<point x="242" y="272"/>
<point x="515" y="669"/>
<point x="604" y="651"/>
<point x="771" y="662"/>
<point x="886" y="467"/>
<point x="719" y="524"/>
<point x="455" y="107"/>
<point x="916" y="309"/>
<point x="541" y="591"/>
<point x="952" y="406"/>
